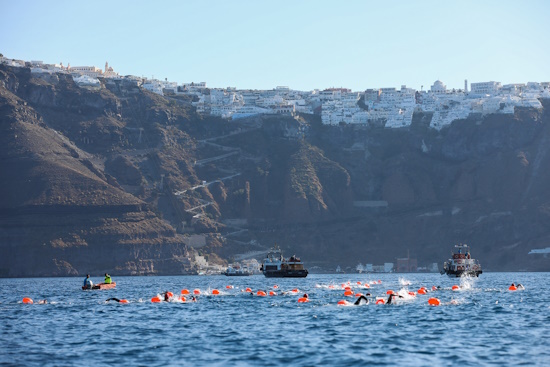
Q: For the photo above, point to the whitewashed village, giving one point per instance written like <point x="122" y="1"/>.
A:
<point x="390" y="107"/>
<point x="387" y="107"/>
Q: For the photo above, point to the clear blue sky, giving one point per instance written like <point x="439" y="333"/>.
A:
<point x="301" y="44"/>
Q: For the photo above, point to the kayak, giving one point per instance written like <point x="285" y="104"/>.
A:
<point x="101" y="286"/>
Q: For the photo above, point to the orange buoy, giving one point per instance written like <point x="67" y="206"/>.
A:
<point x="275" y="286"/>
<point x="379" y="281"/>
<point x="347" y="288"/>
<point x="434" y="288"/>
<point x="185" y="291"/>
<point x="271" y="293"/>
<point x="229" y="287"/>
<point x="302" y="300"/>
<point x="170" y="294"/>
<point x="261" y="293"/>
<point x="380" y="302"/>
<point x="342" y="303"/>
<point x="434" y="301"/>
<point x="455" y="287"/>
<point x="123" y="301"/>
<point x="366" y="285"/>
<point x="421" y="291"/>
<point x="358" y="294"/>
<point x="196" y="291"/>
<point x="28" y="300"/>
<point x="389" y="291"/>
<point x="248" y="290"/>
<point x="182" y="298"/>
<point x="155" y="299"/>
<point x="348" y="293"/>
<point x="215" y="291"/>
<point x="412" y="294"/>
<point x="358" y="282"/>
<point x="511" y="288"/>
<point x="295" y="290"/>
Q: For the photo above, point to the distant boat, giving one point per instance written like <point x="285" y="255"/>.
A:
<point x="232" y="272"/>
<point x="461" y="263"/>
<point x="100" y="286"/>
<point x="276" y="266"/>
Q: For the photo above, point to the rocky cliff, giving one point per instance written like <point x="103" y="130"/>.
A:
<point x="122" y="180"/>
<point x="61" y="213"/>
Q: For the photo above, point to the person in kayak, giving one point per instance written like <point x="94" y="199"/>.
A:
<point x="88" y="284"/>
<point x="108" y="279"/>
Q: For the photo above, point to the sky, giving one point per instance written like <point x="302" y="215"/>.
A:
<point x="304" y="45"/>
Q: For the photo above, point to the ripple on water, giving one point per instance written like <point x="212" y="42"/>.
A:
<point x="481" y="324"/>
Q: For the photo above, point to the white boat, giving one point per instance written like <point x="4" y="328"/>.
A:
<point x="232" y="272"/>
<point x="276" y="266"/>
<point x="461" y="263"/>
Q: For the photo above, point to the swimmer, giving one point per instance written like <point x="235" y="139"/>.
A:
<point x="520" y="286"/>
<point x="388" y="302"/>
<point x="43" y="302"/>
<point x="112" y="299"/>
<point x="362" y="300"/>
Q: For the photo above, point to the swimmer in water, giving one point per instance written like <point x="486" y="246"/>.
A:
<point x="112" y="299"/>
<point x="388" y="302"/>
<point x="520" y="286"/>
<point x="43" y="302"/>
<point x="362" y="300"/>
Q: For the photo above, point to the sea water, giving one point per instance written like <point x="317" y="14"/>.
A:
<point x="483" y="323"/>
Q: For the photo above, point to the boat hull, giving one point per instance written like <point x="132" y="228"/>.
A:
<point x="237" y="274"/>
<point x="100" y="286"/>
<point x="463" y="273"/>
<point x="286" y="274"/>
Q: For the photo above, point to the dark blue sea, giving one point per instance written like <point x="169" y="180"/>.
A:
<point x="483" y="323"/>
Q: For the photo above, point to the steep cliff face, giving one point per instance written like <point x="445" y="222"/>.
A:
<point x="479" y="181"/>
<point x="60" y="213"/>
<point x="317" y="188"/>
<point x="112" y="179"/>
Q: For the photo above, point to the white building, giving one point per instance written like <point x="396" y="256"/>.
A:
<point x="91" y="71"/>
<point x="154" y="86"/>
<point x="438" y="87"/>
<point x="490" y="88"/>
<point x="87" y="81"/>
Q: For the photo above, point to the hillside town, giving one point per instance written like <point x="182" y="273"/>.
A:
<point x="388" y="107"/>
